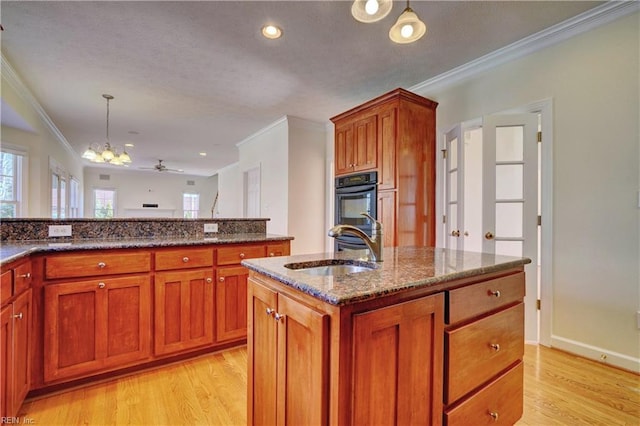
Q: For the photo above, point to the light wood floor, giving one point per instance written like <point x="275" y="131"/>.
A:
<point x="560" y="389"/>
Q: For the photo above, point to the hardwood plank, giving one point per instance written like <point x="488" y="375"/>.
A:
<point x="559" y="389"/>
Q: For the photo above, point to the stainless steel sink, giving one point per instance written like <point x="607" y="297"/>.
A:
<point x="332" y="267"/>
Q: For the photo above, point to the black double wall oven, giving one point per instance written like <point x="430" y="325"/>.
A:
<point x="355" y="194"/>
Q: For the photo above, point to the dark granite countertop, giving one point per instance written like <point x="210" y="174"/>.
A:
<point x="14" y="250"/>
<point x="403" y="268"/>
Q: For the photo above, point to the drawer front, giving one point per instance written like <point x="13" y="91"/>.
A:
<point x="499" y="403"/>
<point x="6" y="286"/>
<point x="184" y="258"/>
<point x="88" y="265"/>
<point x="235" y="255"/>
<point x="477" y="299"/>
<point x="22" y="278"/>
<point x="278" y="249"/>
<point x="480" y="350"/>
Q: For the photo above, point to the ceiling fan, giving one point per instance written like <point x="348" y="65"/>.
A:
<point x="162" y="168"/>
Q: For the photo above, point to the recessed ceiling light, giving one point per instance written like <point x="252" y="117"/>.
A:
<point x="129" y="145"/>
<point x="203" y="154"/>
<point x="271" y="31"/>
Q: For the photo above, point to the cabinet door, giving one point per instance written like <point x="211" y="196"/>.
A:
<point x="398" y="363"/>
<point x="303" y="364"/>
<point x="387" y="124"/>
<point x="92" y="326"/>
<point x="6" y="361"/>
<point x="387" y="216"/>
<point x="262" y="353"/>
<point x="366" y="143"/>
<point x="22" y="315"/>
<point x="183" y="310"/>
<point x="345" y="152"/>
<point x="231" y="303"/>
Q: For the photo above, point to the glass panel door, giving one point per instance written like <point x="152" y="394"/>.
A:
<point x="454" y="191"/>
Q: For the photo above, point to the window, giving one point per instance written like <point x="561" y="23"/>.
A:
<point x="74" y="197"/>
<point x="58" y="196"/>
<point x="190" y="205"/>
<point x="10" y="184"/>
<point x="104" y="201"/>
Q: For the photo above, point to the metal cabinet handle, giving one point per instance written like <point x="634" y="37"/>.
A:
<point x="278" y="317"/>
<point x="272" y="254"/>
<point x="27" y="275"/>
<point x="101" y="285"/>
<point x="241" y="255"/>
<point x="495" y="293"/>
<point x="18" y="316"/>
<point x="221" y="279"/>
<point x="209" y="280"/>
<point x="101" y="265"/>
<point x="185" y="259"/>
<point x="494" y="415"/>
<point x="270" y="312"/>
<point x="488" y="235"/>
<point x="495" y="346"/>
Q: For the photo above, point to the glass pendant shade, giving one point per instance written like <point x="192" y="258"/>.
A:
<point x="368" y="11"/>
<point x="408" y="28"/>
<point x="108" y="154"/>
<point x="89" y="154"/>
<point x="124" y="158"/>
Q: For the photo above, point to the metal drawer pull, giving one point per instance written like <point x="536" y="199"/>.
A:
<point x="241" y="255"/>
<point x="494" y="415"/>
<point x="272" y="254"/>
<point x="270" y="312"/>
<point x="495" y="293"/>
<point x="27" y="275"/>
<point x="221" y="279"/>
<point x="101" y="285"/>
<point x="18" y="316"/>
<point x="101" y="265"/>
<point x="209" y="280"/>
<point x="185" y="259"/>
<point x="278" y="317"/>
<point x="495" y="346"/>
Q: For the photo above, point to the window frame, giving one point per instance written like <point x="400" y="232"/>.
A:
<point x="20" y="161"/>
<point x="114" y="200"/>
<point x="195" y="212"/>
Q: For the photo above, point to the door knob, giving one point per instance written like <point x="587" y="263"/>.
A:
<point x="455" y="233"/>
<point x="488" y="236"/>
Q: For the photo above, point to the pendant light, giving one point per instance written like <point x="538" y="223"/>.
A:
<point x="408" y="28"/>
<point x="368" y="11"/>
<point x="107" y="154"/>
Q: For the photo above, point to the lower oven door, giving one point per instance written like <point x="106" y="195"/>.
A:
<point x="351" y="202"/>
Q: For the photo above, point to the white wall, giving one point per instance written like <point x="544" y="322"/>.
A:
<point x="593" y="81"/>
<point x="229" y="192"/>
<point x="39" y="138"/>
<point x="133" y="188"/>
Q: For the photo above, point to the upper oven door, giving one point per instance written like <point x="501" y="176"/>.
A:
<point x="352" y="201"/>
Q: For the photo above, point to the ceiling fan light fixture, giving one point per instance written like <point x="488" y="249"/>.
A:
<point x="369" y="11"/>
<point x="408" y="28"/>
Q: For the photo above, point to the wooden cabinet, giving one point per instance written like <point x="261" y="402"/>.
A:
<point x="484" y="346"/>
<point x="279" y="249"/>
<point x="77" y="265"/>
<point x="387" y="215"/>
<point x="401" y="124"/>
<point x="95" y="325"/>
<point x="397" y="363"/>
<point x="15" y="344"/>
<point x="288" y="352"/>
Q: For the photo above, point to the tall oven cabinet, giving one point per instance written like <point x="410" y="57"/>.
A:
<point x="401" y="127"/>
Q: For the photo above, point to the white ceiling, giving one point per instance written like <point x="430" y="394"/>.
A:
<point x="193" y="77"/>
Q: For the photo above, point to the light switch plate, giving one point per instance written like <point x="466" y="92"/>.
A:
<point x="59" y="230"/>
<point x="210" y="227"/>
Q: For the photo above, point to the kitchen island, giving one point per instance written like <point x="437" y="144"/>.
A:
<point x="429" y="336"/>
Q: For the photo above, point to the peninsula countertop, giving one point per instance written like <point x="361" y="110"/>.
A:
<point x="14" y="250"/>
<point x="403" y="268"/>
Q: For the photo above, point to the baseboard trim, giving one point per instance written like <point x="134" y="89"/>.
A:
<point x="595" y="353"/>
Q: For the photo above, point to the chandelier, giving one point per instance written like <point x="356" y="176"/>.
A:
<point x="107" y="153"/>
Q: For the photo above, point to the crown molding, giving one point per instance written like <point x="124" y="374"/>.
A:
<point x="262" y="131"/>
<point x="579" y="24"/>
<point x="13" y="79"/>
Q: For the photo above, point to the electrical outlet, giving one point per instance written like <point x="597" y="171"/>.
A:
<point x="210" y="227"/>
<point x="59" y="230"/>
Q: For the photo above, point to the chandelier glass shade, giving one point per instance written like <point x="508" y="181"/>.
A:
<point x="368" y="11"/>
<point x="106" y="153"/>
<point x="408" y="28"/>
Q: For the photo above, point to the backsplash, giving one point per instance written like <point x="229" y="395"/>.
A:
<point x="84" y="229"/>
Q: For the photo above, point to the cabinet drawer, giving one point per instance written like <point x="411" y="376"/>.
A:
<point x="87" y="265"/>
<point x="234" y="255"/>
<point x="473" y="300"/>
<point x="22" y="278"/>
<point x="278" y="249"/>
<point x="184" y="258"/>
<point x="500" y="402"/>
<point x="480" y="350"/>
<point x="6" y="286"/>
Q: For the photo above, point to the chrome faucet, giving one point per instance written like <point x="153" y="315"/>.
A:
<point x="374" y="242"/>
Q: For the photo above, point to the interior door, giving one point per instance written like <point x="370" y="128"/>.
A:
<point x="454" y="191"/>
<point x="510" y="197"/>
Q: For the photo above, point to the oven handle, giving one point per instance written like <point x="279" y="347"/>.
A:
<point x="354" y="189"/>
